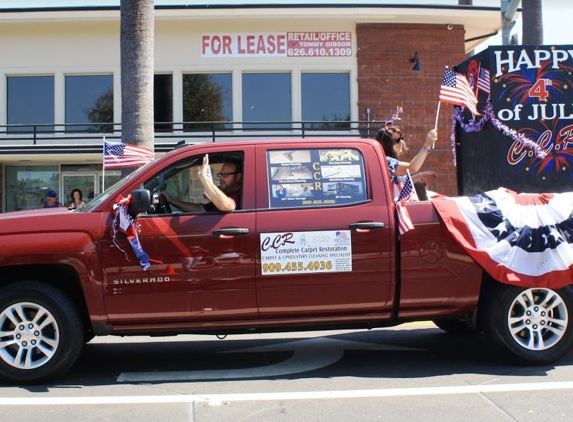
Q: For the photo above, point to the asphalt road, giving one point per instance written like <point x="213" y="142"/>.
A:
<point x="411" y="373"/>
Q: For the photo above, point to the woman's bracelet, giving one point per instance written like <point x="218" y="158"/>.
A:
<point x="425" y="148"/>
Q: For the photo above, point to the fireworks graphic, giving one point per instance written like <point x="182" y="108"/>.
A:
<point x="515" y="86"/>
<point x="540" y="91"/>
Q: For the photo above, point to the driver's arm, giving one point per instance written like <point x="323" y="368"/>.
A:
<point x="215" y="195"/>
<point x="183" y="206"/>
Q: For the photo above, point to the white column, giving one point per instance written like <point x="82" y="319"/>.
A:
<point x="3" y="101"/>
<point x="177" y="99"/>
<point x="59" y="101"/>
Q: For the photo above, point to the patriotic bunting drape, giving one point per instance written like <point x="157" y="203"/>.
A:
<point x="520" y="239"/>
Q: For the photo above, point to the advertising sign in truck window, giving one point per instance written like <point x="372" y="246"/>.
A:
<point x="315" y="177"/>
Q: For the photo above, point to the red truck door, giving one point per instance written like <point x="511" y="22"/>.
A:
<point x="202" y="264"/>
<point x="325" y="244"/>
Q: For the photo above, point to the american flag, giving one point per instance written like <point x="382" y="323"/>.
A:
<point x="483" y="80"/>
<point x="120" y="155"/>
<point x="407" y="189"/>
<point x="404" y="221"/>
<point x="520" y="239"/>
<point x="456" y="90"/>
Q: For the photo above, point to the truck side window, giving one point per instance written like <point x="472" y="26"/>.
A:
<point x="315" y="177"/>
<point x="180" y="184"/>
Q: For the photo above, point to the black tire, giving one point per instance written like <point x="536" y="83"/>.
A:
<point x="457" y="326"/>
<point x="533" y="325"/>
<point x="43" y="333"/>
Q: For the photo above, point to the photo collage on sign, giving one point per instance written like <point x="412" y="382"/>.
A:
<point x="314" y="177"/>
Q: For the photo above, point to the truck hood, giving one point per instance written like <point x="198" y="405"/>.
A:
<point x="47" y="220"/>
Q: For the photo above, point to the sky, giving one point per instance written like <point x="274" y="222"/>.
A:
<point x="557" y="19"/>
<point x="557" y="14"/>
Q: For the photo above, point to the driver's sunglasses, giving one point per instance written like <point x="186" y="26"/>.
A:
<point x="398" y="140"/>
<point x="225" y="174"/>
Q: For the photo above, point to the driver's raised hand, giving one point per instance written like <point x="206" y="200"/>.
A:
<point x="204" y="172"/>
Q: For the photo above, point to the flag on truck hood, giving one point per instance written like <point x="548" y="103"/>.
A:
<point x="519" y="239"/>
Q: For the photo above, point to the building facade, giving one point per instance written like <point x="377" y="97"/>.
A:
<point x="222" y="71"/>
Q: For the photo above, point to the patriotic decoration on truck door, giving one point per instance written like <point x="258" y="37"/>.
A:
<point x="519" y="239"/>
<point x="123" y="223"/>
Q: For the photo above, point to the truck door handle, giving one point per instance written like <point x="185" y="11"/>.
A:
<point x="366" y="225"/>
<point x="230" y="232"/>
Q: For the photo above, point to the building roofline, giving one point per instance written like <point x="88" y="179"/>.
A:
<point x="254" y="6"/>
<point x="476" y="20"/>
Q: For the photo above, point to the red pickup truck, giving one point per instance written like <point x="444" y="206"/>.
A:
<point x="313" y="244"/>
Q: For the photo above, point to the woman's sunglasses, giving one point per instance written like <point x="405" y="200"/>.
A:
<point x="398" y="140"/>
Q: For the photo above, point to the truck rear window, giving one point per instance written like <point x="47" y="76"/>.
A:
<point x="315" y="177"/>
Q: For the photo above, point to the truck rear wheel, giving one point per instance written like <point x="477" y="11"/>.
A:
<point x="41" y="333"/>
<point x="533" y="324"/>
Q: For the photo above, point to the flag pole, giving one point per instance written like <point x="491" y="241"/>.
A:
<point x="436" y="123"/>
<point x="477" y="79"/>
<point x="103" y="168"/>
<point x="437" y="115"/>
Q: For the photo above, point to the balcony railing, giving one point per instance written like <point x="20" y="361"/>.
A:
<point x="194" y="132"/>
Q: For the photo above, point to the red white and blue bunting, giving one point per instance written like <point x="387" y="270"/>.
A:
<point x="520" y="239"/>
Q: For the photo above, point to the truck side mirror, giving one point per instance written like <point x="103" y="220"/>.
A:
<point x="140" y="202"/>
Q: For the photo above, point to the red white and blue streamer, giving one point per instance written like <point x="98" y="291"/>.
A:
<point x="123" y="223"/>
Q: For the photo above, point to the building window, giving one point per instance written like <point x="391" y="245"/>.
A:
<point x="26" y="186"/>
<point x="326" y="100"/>
<point x="207" y="98"/>
<point x="89" y="99"/>
<point x="163" y="103"/>
<point x="267" y="98"/>
<point x="30" y="102"/>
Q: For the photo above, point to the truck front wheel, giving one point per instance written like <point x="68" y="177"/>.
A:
<point x="41" y="333"/>
<point x="533" y="325"/>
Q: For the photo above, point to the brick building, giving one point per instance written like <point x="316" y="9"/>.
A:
<point x="316" y="67"/>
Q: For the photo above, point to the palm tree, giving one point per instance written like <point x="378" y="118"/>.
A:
<point x="532" y="29"/>
<point x="137" y="32"/>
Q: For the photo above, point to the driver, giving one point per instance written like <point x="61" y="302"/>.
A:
<point x="225" y="198"/>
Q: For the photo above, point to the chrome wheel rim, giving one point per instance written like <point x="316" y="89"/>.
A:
<point x="29" y="335"/>
<point x="538" y="319"/>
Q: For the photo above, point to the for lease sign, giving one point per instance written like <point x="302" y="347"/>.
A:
<point x="279" y="44"/>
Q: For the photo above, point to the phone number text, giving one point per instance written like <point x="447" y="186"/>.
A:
<point x="277" y="267"/>
<point x="319" y="52"/>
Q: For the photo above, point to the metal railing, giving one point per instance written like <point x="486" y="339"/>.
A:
<point x="93" y="133"/>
